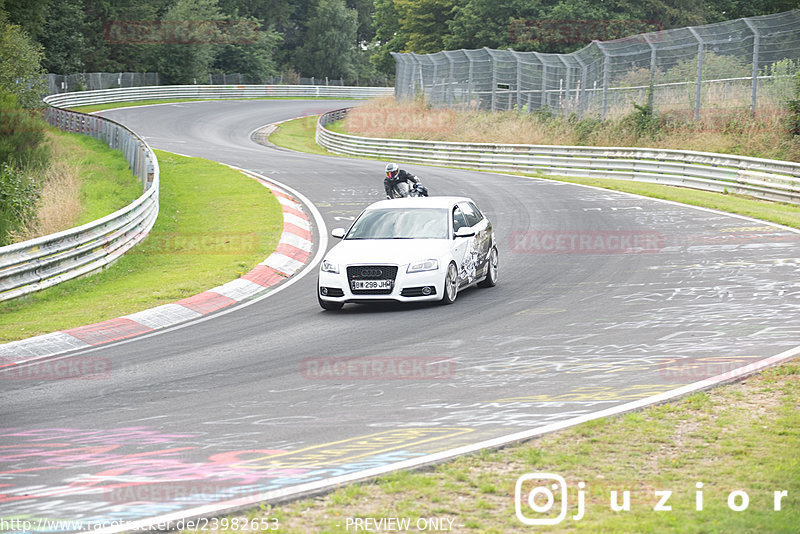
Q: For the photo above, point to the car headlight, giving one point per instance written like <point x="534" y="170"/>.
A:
<point x="329" y="267"/>
<point x="423" y="265"/>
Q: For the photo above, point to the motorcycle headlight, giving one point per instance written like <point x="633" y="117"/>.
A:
<point x="329" y="267"/>
<point x="422" y="265"/>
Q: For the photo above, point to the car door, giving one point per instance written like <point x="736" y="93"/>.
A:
<point x="460" y="245"/>
<point x="479" y="251"/>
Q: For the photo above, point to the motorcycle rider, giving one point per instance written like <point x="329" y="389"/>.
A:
<point x="394" y="177"/>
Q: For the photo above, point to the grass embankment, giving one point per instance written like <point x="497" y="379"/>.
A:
<point x="742" y="437"/>
<point x="384" y="118"/>
<point x="84" y="181"/>
<point x="214" y="225"/>
<point x="298" y="134"/>
<point x="726" y="132"/>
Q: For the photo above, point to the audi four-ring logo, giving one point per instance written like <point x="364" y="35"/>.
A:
<point x="371" y="272"/>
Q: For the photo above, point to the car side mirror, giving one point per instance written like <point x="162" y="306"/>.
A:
<point x="338" y="233"/>
<point x="465" y="231"/>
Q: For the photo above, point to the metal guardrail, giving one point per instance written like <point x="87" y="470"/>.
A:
<point x="213" y="92"/>
<point x="46" y="261"/>
<point x="43" y="262"/>
<point x="760" y="178"/>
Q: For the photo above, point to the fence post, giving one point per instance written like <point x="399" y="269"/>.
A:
<point x="494" y="76"/>
<point x="581" y="86"/>
<point x="543" y="85"/>
<point x="606" y="76"/>
<point x="470" y="81"/>
<point x="756" y="44"/>
<point x="699" y="88"/>
<point x="450" y="80"/>
<point x="566" y="87"/>
<point x="519" y="79"/>
<point x="651" y="85"/>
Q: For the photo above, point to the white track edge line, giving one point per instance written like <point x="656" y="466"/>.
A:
<point x="332" y="483"/>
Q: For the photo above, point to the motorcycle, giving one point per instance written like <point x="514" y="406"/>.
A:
<point x="403" y="189"/>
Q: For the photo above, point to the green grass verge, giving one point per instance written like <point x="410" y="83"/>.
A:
<point x="739" y="437"/>
<point x="115" y="105"/>
<point x="106" y="181"/>
<point x="299" y="135"/>
<point x="214" y="225"/>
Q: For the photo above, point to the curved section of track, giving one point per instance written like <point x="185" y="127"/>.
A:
<point x="249" y="402"/>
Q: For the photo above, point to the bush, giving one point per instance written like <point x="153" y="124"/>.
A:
<point x="22" y="135"/>
<point x="18" y="196"/>
<point x="794" y="109"/>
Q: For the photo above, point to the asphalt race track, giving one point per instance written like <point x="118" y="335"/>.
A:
<point x="247" y="402"/>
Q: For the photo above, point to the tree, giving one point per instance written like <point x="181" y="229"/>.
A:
<point x="254" y="59"/>
<point x="479" y="23"/>
<point x="21" y="73"/>
<point x="424" y="23"/>
<point x="30" y="15"/>
<point x="195" y="42"/>
<point x="62" y="38"/>
<point x="331" y="50"/>
<point x="388" y="38"/>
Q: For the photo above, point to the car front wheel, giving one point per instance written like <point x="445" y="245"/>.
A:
<point x="491" y="273"/>
<point x="450" y="284"/>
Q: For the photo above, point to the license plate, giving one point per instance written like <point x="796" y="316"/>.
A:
<point x="371" y="284"/>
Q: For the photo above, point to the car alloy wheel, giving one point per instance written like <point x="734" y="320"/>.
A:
<point x="450" y="284"/>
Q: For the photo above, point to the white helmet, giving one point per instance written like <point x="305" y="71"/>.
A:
<point x="391" y="169"/>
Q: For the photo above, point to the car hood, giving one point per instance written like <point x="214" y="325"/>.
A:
<point x="396" y="251"/>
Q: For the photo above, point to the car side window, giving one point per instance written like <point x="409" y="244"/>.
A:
<point x="471" y="213"/>
<point x="458" y="219"/>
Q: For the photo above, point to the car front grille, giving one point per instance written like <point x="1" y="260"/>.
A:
<point x="372" y="272"/>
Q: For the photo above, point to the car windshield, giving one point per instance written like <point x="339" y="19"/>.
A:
<point x="412" y="223"/>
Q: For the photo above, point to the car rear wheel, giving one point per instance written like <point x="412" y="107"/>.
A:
<point x="450" y="284"/>
<point x="491" y="273"/>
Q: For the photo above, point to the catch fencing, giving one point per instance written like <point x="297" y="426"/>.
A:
<point x="740" y="64"/>
<point x="759" y="178"/>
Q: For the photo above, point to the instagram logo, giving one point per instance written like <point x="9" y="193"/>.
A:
<point x="537" y="494"/>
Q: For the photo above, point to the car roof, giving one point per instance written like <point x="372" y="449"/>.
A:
<point x="418" y="202"/>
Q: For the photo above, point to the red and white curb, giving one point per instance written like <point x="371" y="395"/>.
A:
<point x="292" y="253"/>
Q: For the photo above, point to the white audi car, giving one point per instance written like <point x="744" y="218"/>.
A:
<point x="409" y="250"/>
